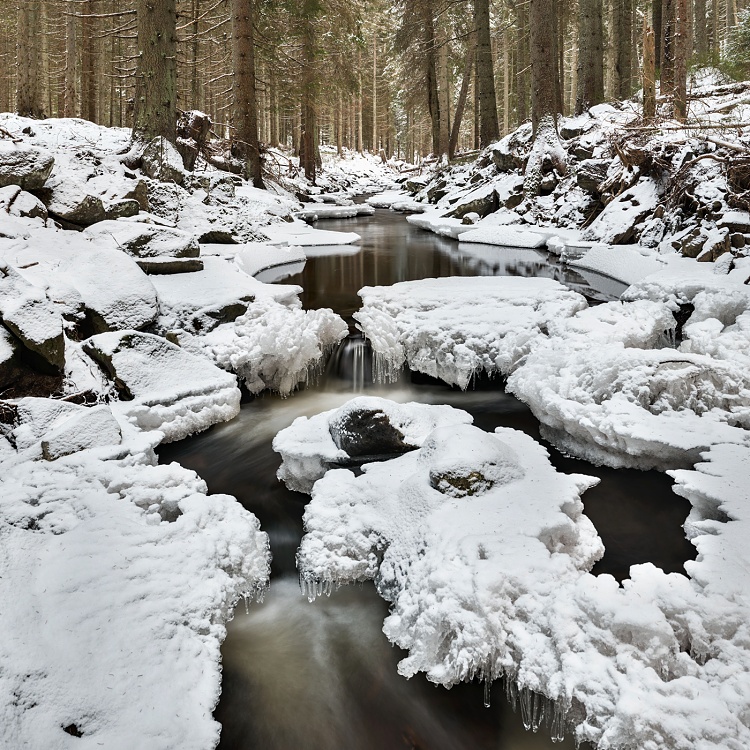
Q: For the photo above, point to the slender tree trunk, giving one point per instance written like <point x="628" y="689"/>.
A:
<point x="681" y="50"/>
<point x="666" y="73"/>
<point x="28" y="89"/>
<point x="339" y="126"/>
<point x="360" y="126"/>
<point x="656" y="14"/>
<point x="462" y="95"/>
<point x="590" y="55"/>
<point x="523" y="61"/>
<point x="506" y="80"/>
<point x="649" y="72"/>
<point x="433" y="102"/>
<point x="89" y="61"/>
<point x="489" y="129"/>
<point x="244" y="98"/>
<point x="444" y="93"/>
<point x="156" y="76"/>
<point x="622" y="44"/>
<point x="701" y="31"/>
<point x="309" y="140"/>
<point x="375" y="92"/>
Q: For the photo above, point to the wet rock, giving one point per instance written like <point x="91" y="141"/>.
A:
<point x="437" y="191"/>
<point x="591" y="173"/>
<point x="169" y="265"/>
<point x="23" y="165"/>
<point x="738" y="240"/>
<point x="161" y="161"/>
<point x="548" y="183"/>
<point x="367" y="432"/>
<point x="482" y="201"/>
<point x="29" y="315"/>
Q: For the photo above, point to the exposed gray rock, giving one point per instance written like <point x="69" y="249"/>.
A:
<point x="591" y="173"/>
<point x="482" y="201"/>
<point x="505" y="160"/>
<point x="170" y="265"/>
<point x="30" y="316"/>
<point x="23" y="165"/>
<point x="735" y="221"/>
<point x="121" y="209"/>
<point x="161" y="161"/>
<point x="10" y="369"/>
<point x="143" y="240"/>
<point x="7" y="195"/>
<point x="367" y="433"/>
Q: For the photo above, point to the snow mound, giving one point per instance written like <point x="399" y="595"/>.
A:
<point x="459" y="568"/>
<point x="505" y="237"/>
<point x="163" y="387"/>
<point x="453" y="328"/>
<point x="308" y="448"/>
<point x="272" y="345"/>
<point x="122" y="575"/>
<point x="601" y="391"/>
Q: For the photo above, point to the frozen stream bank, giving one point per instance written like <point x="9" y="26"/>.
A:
<point x="323" y="675"/>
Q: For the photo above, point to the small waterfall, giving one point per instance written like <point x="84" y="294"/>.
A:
<point x="351" y="362"/>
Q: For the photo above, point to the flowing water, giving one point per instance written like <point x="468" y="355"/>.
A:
<point x="322" y="676"/>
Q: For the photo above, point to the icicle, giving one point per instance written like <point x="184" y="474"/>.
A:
<point x="511" y="692"/>
<point x="487" y="686"/>
<point x="557" y="721"/>
<point x="247" y="607"/>
<point x="525" y="700"/>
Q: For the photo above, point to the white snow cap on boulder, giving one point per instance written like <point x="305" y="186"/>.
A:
<point x="163" y="387"/>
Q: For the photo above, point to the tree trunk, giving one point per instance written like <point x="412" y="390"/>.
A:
<point x="462" y="95"/>
<point x="623" y="53"/>
<point x="433" y="103"/>
<point x="590" y="76"/>
<point x="156" y="75"/>
<point x="701" y="31"/>
<point x="28" y="90"/>
<point x="244" y="99"/>
<point x="656" y="13"/>
<point x="523" y="63"/>
<point x="666" y="73"/>
<point x="649" y="73"/>
<point x="89" y="61"/>
<point x="444" y="93"/>
<point x="545" y="96"/>
<point x="489" y="129"/>
<point x="375" y="92"/>
<point x="681" y="51"/>
<point x="308" y="140"/>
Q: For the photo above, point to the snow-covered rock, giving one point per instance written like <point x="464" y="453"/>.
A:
<point x="162" y="387"/>
<point x="24" y="165"/>
<point x="29" y="314"/>
<point x="69" y="200"/>
<point x="505" y="236"/>
<point x="161" y="161"/>
<point x="364" y="427"/>
<point x="143" y="240"/>
<point x="452" y="328"/>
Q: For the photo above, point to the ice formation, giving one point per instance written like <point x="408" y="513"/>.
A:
<point x="122" y="574"/>
<point x="453" y="328"/>
<point x="308" y="449"/>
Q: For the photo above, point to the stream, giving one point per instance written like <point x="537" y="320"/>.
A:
<point x="322" y="676"/>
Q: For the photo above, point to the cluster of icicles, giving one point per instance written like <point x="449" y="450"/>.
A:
<point x="536" y="709"/>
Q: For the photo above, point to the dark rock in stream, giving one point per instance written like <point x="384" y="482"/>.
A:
<point x="367" y="433"/>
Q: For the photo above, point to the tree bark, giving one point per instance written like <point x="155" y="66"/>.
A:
<point x="462" y="95"/>
<point x="28" y="91"/>
<point x="433" y="102"/>
<point x="700" y="26"/>
<point x="623" y="53"/>
<point x="489" y="128"/>
<point x="245" y="103"/>
<point x="156" y="75"/>
<point x="590" y="76"/>
<point x="681" y="51"/>
<point x="523" y="63"/>
<point x="308" y="140"/>
<point x="649" y="73"/>
<point x="375" y="92"/>
<point x="666" y="72"/>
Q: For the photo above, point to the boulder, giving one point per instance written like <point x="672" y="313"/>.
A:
<point x="23" y="165"/>
<point x="367" y="432"/>
<point x="161" y="161"/>
<point x="69" y="201"/>
<point x="193" y="129"/>
<point x="161" y="386"/>
<point x="83" y="429"/>
<point x="482" y="201"/>
<point x="591" y="173"/>
<point x="703" y="244"/>
<point x="10" y="369"/>
<point x="28" y="206"/>
<point x="7" y="195"/>
<point x="143" y="240"/>
<point x="121" y="209"/>
<point x="735" y="221"/>
<point x="30" y="316"/>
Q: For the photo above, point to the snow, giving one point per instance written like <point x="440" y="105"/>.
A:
<point x="259" y="256"/>
<point x="308" y="450"/>
<point x="163" y="387"/>
<point x="452" y="328"/>
<point x="321" y="211"/>
<point x="303" y="235"/>
<point x="505" y="237"/>
<point x="625" y="263"/>
<point x="122" y="575"/>
<point x="433" y="220"/>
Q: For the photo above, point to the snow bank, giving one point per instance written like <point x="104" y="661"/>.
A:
<point x="505" y="237"/>
<point x="308" y="448"/>
<point x="162" y="387"/>
<point x="122" y="575"/>
<point x="303" y="235"/>
<point x="452" y="328"/>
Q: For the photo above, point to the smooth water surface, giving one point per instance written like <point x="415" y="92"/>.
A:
<point x="322" y="676"/>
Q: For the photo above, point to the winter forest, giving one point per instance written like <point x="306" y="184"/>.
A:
<point x="447" y="299"/>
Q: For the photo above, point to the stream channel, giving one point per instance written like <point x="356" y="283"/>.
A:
<point x="322" y="676"/>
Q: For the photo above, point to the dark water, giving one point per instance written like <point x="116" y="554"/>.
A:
<point x="322" y="676"/>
